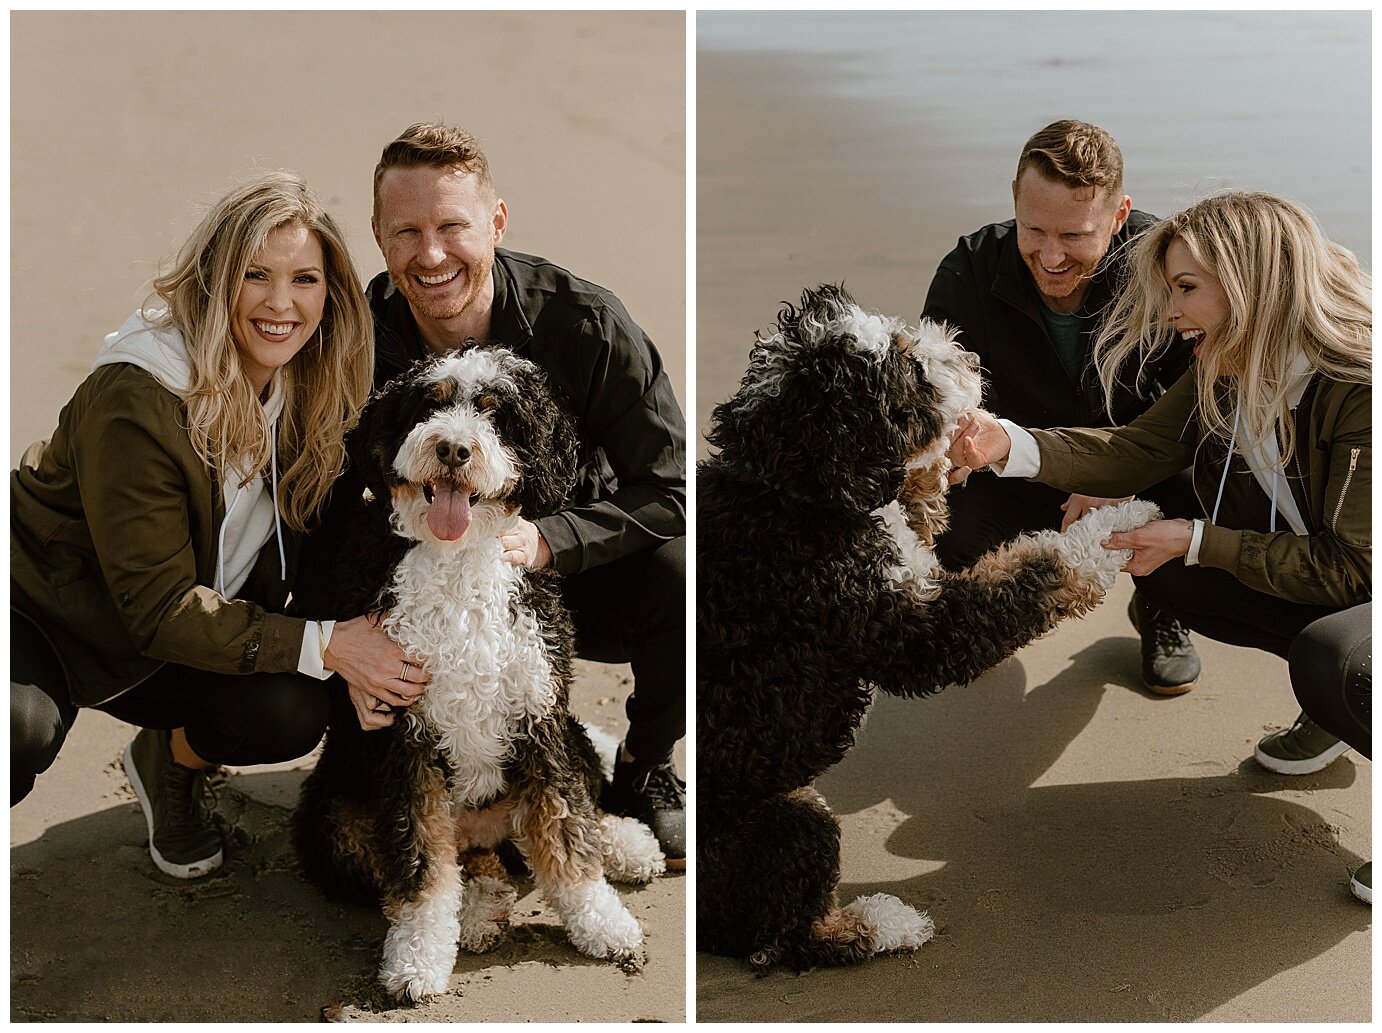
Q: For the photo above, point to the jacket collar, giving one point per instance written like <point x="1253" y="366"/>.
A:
<point x="509" y="323"/>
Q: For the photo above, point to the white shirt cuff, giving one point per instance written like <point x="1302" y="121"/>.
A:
<point x="1024" y="457"/>
<point x="1192" y="555"/>
<point x="312" y="657"/>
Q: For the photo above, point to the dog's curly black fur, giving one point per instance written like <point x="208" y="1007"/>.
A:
<point x="492" y="749"/>
<point x="806" y="603"/>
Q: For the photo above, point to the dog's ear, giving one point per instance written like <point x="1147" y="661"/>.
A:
<point x="542" y="437"/>
<point x="371" y="444"/>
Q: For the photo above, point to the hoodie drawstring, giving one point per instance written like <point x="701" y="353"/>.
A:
<point x="221" y="545"/>
<point x="278" y="520"/>
<point x="1223" y="479"/>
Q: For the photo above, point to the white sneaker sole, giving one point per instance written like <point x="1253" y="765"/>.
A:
<point x="1363" y="893"/>
<point x="196" y="869"/>
<point x="1308" y="766"/>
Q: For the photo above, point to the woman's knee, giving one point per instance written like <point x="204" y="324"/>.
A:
<point x="275" y="718"/>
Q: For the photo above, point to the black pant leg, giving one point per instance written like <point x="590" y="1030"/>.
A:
<point x="987" y="511"/>
<point x="41" y="714"/>
<point x="1331" y="673"/>
<point x="634" y="611"/>
<point x="230" y="719"/>
<point x="1217" y="605"/>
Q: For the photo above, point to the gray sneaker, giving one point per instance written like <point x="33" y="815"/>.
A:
<point x="1302" y="749"/>
<point x="183" y="839"/>
<point x="1170" y="665"/>
<point x="1361" y="883"/>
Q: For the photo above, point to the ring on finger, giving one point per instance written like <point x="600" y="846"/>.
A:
<point x="403" y="673"/>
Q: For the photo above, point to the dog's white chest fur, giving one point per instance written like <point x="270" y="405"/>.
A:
<point x="460" y="609"/>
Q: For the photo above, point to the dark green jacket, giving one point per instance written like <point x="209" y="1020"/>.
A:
<point x="113" y="542"/>
<point x="1330" y="475"/>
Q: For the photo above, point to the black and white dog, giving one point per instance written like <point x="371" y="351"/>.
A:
<point x="451" y="453"/>
<point x="816" y="584"/>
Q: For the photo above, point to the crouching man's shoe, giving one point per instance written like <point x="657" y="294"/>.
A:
<point x="183" y="839"/>
<point x="1302" y="749"/>
<point x="1170" y="665"/>
<point x="655" y="796"/>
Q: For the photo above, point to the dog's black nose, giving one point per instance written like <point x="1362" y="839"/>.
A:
<point x="452" y="454"/>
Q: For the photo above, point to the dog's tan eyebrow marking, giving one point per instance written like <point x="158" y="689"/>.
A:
<point x="485" y="402"/>
<point x="442" y="390"/>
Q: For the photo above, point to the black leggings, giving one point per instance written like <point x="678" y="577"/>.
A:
<point x="1329" y="649"/>
<point x="229" y="719"/>
<point x="1331" y="673"/>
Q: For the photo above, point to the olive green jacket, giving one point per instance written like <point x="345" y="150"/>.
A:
<point x="1330" y="475"/>
<point x="114" y="527"/>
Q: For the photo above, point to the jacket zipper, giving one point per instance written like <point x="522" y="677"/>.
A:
<point x="1352" y="465"/>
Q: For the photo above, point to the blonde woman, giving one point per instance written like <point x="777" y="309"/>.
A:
<point x="1276" y="416"/>
<point x="154" y="537"/>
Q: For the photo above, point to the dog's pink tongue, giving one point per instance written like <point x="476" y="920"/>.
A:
<point x="449" y="514"/>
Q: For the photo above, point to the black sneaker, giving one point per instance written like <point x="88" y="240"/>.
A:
<point x="1302" y="749"/>
<point x="183" y="839"/>
<point x="1170" y="665"/>
<point x="1361" y="883"/>
<point x="655" y="796"/>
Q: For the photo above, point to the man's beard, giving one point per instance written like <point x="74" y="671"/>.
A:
<point x="442" y="308"/>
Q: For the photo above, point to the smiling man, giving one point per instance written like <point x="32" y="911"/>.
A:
<point x="620" y="540"/>
<point x="1028" y="296"/>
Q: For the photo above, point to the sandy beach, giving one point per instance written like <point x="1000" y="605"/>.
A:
<point x="1089" y="851"/>
<point x="123" y="126"/>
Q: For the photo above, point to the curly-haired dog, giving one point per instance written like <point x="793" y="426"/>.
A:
<point x="451" y="453"/>
<point x="809" y="597"/>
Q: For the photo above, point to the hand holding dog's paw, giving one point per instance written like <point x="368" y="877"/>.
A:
<point x="1082" y="545"/>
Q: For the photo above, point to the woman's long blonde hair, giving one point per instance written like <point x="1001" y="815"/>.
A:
<point x="326" y="383"/>
<point x="1290" y="292"/>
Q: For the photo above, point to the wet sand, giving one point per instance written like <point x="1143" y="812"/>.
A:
<point x="123" y="125"/>
<point x="1089" y="851"/>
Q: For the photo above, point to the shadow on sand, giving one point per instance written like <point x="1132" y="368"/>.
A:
<point x="253" y="942"/>
<point x="1144" y="900"/>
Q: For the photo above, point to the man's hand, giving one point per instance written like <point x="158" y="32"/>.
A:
<point x="1077" y="506"/>
<point x="524" y="546"/>
<point x="978" y="441"/>
<point x="1153" y="544"/>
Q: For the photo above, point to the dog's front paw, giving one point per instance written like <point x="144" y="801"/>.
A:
<point x="597" y="921"/>
<point x="629" y="961"/>
<point x="630" y="850"/>
<point x="1081" y="544"/>
<point x="894" y="926"/>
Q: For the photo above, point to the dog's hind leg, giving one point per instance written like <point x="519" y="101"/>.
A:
<point x="630" y="850"/>
<point x="766" y="889"/>
<point x="486" y="902"/>
<point x="422" y="896"/>
<point x="561" y="841"/>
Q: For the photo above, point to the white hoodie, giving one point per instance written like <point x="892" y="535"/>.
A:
<point x="252" y="510"/>
<point x="252" y="516"/>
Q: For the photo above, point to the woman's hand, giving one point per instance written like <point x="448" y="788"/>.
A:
<point x="379" y="674"/>
<point x="1077" y="506"/>
<point x="1153" y="544"/>
<point x="979" y="441"/>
